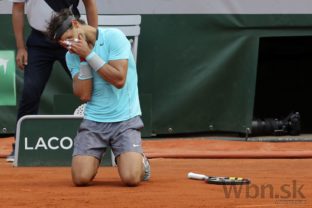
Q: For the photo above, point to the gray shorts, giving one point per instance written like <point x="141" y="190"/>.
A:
<point x="93" y="138"/>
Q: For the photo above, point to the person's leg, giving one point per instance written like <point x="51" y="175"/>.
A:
<point x="84" y="169"/>
<point x="36" y="75"/>
<point x="133" y="166"/>
<point x="60" y="53"/>
<point x="130" y="167"/>
<point x="89" y="147"/>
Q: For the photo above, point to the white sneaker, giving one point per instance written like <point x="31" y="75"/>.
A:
<point x="11" y="157"/>
<point x="147" y="168"/>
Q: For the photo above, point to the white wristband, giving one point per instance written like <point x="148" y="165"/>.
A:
<point x="95" y="61"/>
<point x="85" y="71"/>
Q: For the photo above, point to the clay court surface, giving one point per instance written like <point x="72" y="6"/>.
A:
<point x="281" y="179"/>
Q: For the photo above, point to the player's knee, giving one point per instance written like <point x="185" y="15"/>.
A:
<point x="131" y="179"/>
<point x="81" y="180"/>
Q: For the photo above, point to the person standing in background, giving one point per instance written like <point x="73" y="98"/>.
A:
<point x="37" y="56"/>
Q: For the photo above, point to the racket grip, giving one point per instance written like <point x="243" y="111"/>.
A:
<point x="197" y="176"/>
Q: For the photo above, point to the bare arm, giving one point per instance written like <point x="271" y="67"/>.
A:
<point x="91" y="12"/>
<point x="115" y="72"/>
<point x="18" y="27"/>
<point x="82" y="88"/>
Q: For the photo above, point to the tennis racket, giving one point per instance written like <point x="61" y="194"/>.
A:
<point x="218" y="180"/>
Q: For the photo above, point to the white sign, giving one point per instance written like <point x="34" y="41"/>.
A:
<point x="53" y="143"/>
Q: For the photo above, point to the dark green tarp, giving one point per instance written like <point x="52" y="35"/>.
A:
<point x="197" y="73"/>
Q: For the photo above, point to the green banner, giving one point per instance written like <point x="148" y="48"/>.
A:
<point x="47" y="140"/>
<point x="7" y="79"/>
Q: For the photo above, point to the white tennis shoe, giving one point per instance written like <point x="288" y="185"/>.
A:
<point x="147" y="168"/>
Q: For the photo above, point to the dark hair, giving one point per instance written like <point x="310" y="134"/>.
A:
<point x="59" y="23"/>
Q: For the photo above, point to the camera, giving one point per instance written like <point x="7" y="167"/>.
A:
<point x="290" y="125"/>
